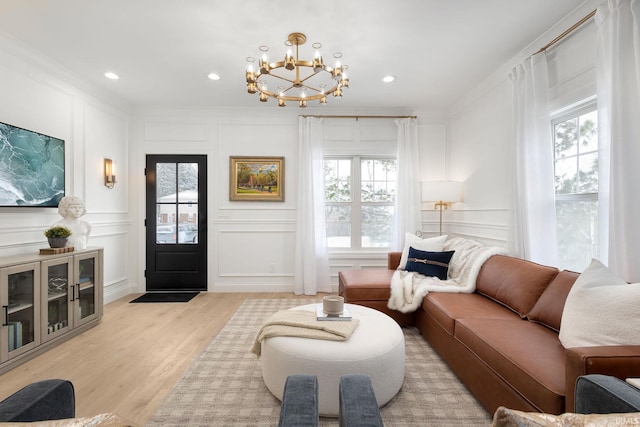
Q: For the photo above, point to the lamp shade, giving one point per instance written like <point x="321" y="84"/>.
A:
<point x="441" y="191"/>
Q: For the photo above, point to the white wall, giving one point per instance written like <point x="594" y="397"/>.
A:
<point x="38" y="96"/>
<point x="481" y="130"/>
<point x="252" y="244"/>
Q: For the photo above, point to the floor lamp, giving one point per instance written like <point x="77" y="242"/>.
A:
<point x="443" y="193"/>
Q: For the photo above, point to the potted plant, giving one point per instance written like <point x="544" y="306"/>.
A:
<point x="57" y="236"/>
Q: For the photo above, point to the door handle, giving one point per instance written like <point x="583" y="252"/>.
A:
<point x="6" y="315"/>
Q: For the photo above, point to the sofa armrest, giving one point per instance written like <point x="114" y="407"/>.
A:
<point x="393" y="260"/>
<point x="358" y="404"/>
<point x="617" y="361"/>
<point x="604" y="394"/>
<point x="300" y="402"/>
<point x="40" y="401"/>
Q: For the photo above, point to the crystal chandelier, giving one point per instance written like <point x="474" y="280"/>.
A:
<point x="294" y="79"/>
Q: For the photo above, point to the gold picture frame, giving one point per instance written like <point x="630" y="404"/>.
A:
<point x="256" y="178"/>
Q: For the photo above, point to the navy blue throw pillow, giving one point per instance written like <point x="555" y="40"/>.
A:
<point x="434" y="264"/>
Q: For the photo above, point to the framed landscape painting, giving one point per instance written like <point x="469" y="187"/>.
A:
<point x="256" y="178"/>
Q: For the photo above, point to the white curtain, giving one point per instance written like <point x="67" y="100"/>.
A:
<point x="311" y="257"/>
<point x="532" y="229"/>
<point x="407" y="205"/>
<point x="618" y="80"/>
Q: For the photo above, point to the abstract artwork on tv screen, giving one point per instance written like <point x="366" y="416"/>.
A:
<point x="31" y="168"/>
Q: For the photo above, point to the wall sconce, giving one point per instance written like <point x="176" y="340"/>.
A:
<point x="444" y="193"/>
<point x="109" y="176"/>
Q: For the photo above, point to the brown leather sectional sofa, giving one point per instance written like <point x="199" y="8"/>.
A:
<point x="502" y="340"/>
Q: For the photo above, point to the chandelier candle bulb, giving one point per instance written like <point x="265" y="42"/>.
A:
<point x="251" y="77"/>
<point x="317" y="62"/>
<point x="337" y="70"/>
<point x="264" y="64"/>
<point x="288" y="61"/>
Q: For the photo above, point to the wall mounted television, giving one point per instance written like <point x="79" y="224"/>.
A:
<point x="31" y="168"/>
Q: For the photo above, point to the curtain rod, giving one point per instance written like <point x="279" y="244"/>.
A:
<point x="357" y="117"/>
<point x="567" y="32"/>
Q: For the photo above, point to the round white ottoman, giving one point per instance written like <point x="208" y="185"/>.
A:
<point x="376" y="349"/>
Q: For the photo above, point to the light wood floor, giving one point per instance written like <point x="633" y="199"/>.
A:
<point x="130" y="361"/>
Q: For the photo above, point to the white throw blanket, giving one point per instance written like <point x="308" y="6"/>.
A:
<point x="409" y="288"/>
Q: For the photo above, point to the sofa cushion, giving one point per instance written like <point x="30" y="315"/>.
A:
<point x="514" y="282"/>
<point x="446" y="307"/>
<point x="548" y="308"/>
<point x="365" y="285"/>
<point x="599" y="308"/>
<point x="527" y="356"/>
<point x="372" y="288"/>
<point x="427" y="263"/>
<point x="433" y="244"/>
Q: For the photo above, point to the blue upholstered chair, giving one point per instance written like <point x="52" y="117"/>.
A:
<point x="300" y="402"/>
<point x="41" y="401"/>
<point x="604" y="394"/>
<point x="358" y="405"/>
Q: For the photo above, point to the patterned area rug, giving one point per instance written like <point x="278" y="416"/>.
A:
<point x="224" y="387"/>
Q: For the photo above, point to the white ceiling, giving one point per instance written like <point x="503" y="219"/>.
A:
<point x="164" y="49"/>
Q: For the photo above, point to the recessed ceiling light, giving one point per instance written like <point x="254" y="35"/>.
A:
<point x="388" y="79"/>
<point x="111" y="76"/>
<point x="213" y="76"/>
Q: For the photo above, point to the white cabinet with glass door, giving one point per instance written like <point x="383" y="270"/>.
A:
<point x="57" y="275"/>
<point x="70" y="298"/>
<point x="19" y="295"/>
<point x="86" y="300"/>
<point x="46" y="299"/>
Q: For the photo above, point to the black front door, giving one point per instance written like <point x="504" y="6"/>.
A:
<point x="176" y="223"/>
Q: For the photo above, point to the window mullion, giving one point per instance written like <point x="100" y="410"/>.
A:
<point x="356" y="203"/>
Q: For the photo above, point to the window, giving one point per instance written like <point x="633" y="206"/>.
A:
<point x="359" y="199"/>
<point x="575" y="136"/>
